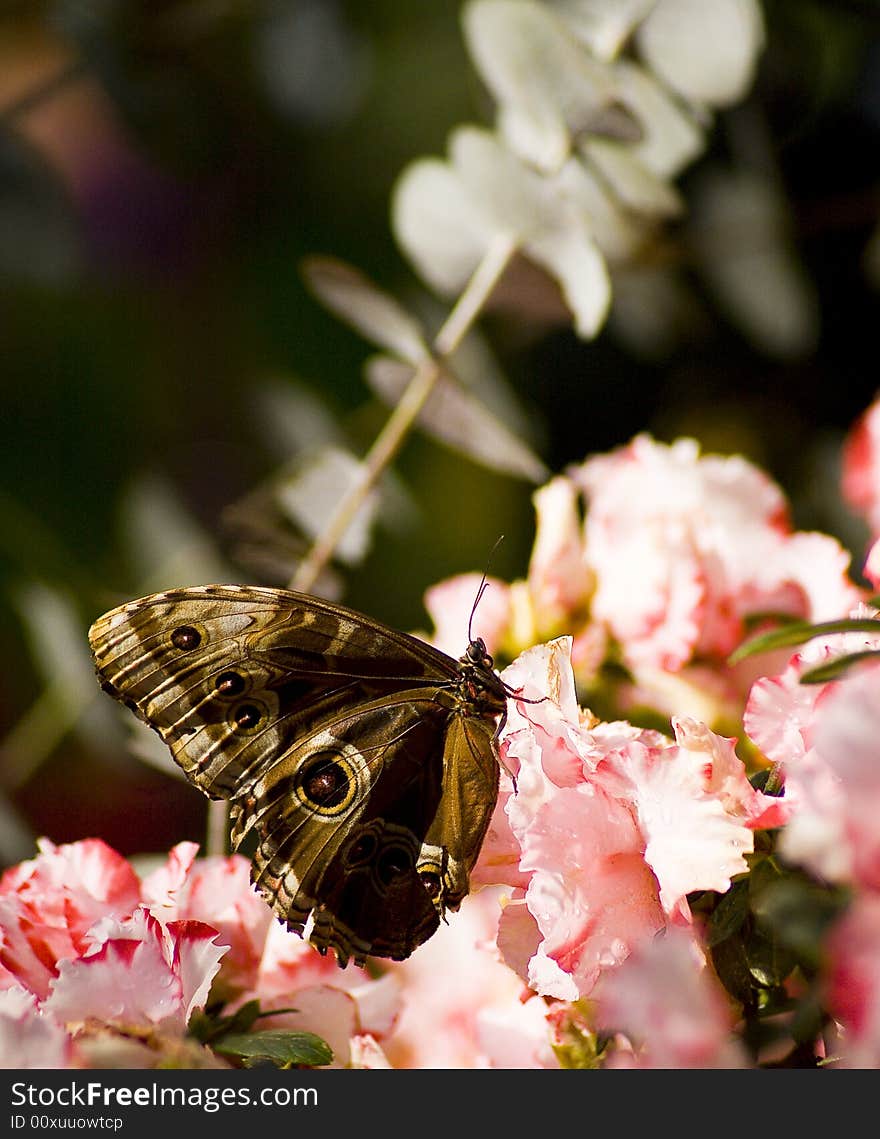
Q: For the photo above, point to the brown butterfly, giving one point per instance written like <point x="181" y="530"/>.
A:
<point x="363" y="758"/>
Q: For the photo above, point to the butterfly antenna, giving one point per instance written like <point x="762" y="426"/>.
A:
<point x="484" y="585"/>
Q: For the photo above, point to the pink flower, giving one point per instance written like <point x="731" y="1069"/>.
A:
<point x="339" y="1005"/>
<point x="685" y="547"/>
<point x="49" y="903"/>
<point x="461" y="1006"/>
<point x="216" y="891"/>
<point x="30" y="1037"/>
<point x="265" y="961"/>
<point x="138" y="972"/>
<point x="824" y="736"/>
<point x="450" y="604"/>
<point x="614" y="826"/>
<point x="667" y="1002"/>
<point x="860" y="474"/>
<point x="559" y="578"/>
<point x="853" y="981"/>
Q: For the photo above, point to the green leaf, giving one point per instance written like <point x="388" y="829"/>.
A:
<point x="275" y="1046"/>
<point x="206" y="1027"/>
<point x="834" y="669"/>
<point x="731" y="964"/>
<point x="809" y="1019"/>
<point x="798" y="912"/>
<point x="769" y="961"/>
<point x="729" y="915"/>
<point x="764" y="873"/>
<point x="800" y="631"/>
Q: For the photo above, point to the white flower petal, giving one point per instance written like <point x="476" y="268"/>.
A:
<point x="574" y="259"/>
<point x="437" y="224"/>
<point x="549" y="88"/>
<point x="704" y="49"/>
<point x="603" y="25"/>
<point x="671" y="137"/>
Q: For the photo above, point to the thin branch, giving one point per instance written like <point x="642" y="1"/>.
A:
<point x="217" y="828"/>
<point x="390" y="439"/>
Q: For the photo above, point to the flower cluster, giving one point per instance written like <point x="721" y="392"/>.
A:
<point x="100" y="968"/>
<point x="663" y="895"/>
<point x="660" y="559"/>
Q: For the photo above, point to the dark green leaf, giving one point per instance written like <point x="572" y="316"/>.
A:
<point x="729" y="915"/>
<point x="764" y="873"/>
<point x="798" y="912"/>
<point x="834" y="669"/>
<point x="208" y="1027"/>
<point x="769" y="961"/>
<point x="278" y="1047"/>
<point x="731" y="965"/>
<point x="799" y="632"/>
<point x="808" y="1020"/>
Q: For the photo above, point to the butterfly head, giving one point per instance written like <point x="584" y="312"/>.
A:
<point x="478" y="654"/>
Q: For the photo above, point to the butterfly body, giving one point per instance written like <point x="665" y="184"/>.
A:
<point x="362" y="759"/>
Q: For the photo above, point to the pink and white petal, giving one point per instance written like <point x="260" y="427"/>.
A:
<point x="29" y="1037"/>
<point x="523" y="948"/>
<point x="816" y="837"/>
<point x="140" y="925"/>
<point x="220" y="893"/>
<point x="860" y="463"/>
<point x="446" y="984"/>
<point x="591" y="893"/>
<point x="692" y="843"/>
<point x="871" y="567"/>
<point x="559" y="579"/>
<point x="544" y="673"/>
<point x="498" y="861"/>
<point x="817" y="566"/>
<point x="651" y="593"/>
<point x="196" y="961"/>
<point x="519" y="939"/>
<point x="89" y="868"/>
<point x="25" y="954"/>
<point x="853" y="981"/>
<point x="162" y="888"/>
<point x="379" y="1000"/>
<point x="725" y="776"/>
<point x="65" y="889"/>
<point x="778" y="715"/>
<point x="366" y="1052"/>
<point x="450" y="605"/>
<point x="846" y="736"/>
<point x="665" y="998"/>
<point x="124" y="981"/>
<point x="516" y="1035"/>
<point x="290" y="963"/>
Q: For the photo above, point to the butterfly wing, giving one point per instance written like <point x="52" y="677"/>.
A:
<point x="335" y="739"/>
<point x="343" y="821"/>
<point x="236" y="673"/>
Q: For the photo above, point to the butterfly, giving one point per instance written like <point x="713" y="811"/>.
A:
<point x="363" y="760"/>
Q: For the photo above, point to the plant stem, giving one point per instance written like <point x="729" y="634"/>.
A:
<point x="217" y="828"/>
<point x="388" y="442"/>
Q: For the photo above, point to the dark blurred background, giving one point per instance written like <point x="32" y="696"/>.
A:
<point x="165" y="165"/>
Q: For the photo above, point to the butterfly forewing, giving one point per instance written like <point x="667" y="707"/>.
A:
<point x="362" y="758"/>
